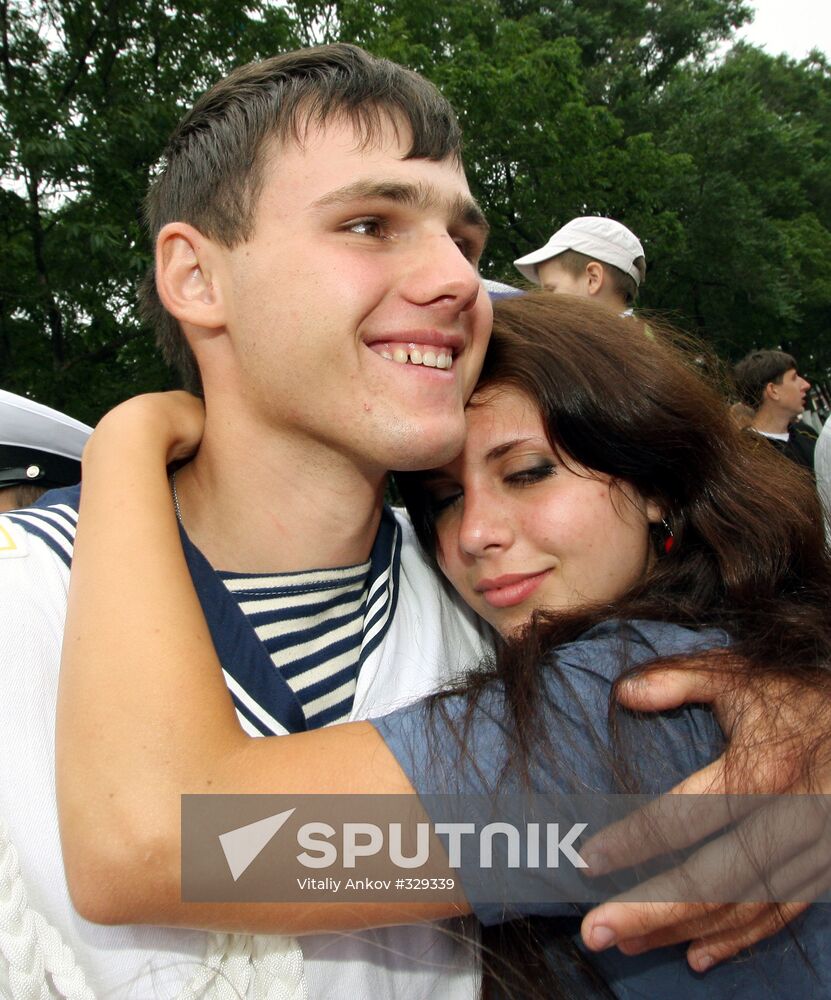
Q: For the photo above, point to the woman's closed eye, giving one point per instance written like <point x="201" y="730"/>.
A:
<point x="533" y="474"/>
<point x="444" y="499"/>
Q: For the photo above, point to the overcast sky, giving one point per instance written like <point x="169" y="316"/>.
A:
<point x="791" y="26"/>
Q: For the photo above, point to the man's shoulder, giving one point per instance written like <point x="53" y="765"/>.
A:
<point x="43" y="530"/>
<point x="805" y="431"/>
<point x="416" y="566"/>
<point x="802" y="443"/>
<point x="14" y="540"/>
<point x="425" y="593"/>
<point x="34" y="583"/>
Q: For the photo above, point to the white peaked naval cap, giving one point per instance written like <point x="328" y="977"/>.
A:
<point x="38" y="445"/>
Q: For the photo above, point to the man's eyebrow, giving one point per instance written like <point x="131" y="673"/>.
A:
<point x="462" y="209"/>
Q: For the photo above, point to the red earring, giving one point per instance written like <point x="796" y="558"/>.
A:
<point x="669" y="541"/>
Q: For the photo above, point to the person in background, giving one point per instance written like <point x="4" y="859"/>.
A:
<point x="770" y="384"/>
<point x="40" y="449"/>
<point x="822" y="470"/>
<point x="590" y="256"/>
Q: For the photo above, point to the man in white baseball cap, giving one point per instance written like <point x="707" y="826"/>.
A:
<point x="591" y="256"/>
<point x="40" y="449"/>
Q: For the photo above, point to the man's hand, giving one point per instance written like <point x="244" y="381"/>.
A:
<point x="780" y="743"/>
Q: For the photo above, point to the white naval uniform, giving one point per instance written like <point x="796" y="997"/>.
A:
<point x="419" y="638"/>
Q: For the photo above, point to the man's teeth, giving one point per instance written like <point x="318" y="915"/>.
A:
<point x="429" y="358"/>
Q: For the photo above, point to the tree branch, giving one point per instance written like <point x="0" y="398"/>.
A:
<point x="53" y="313"/>
<point x="86" y="52"/>
<point x="8" y="75"/>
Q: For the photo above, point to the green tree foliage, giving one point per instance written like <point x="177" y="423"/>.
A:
<point x="751" y="265"/>
<point x="612" y="107"/>
<point x="90" y="91"/>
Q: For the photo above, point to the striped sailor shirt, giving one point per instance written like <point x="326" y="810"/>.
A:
<point x="311" y="623"/>
<point x="291" y="645"/>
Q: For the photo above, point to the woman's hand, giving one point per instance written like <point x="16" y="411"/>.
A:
<point x="170" y="423"/>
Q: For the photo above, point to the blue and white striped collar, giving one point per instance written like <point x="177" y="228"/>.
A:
<point x="260" y="693"/>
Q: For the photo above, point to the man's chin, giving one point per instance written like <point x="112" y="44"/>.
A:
<point x="429" y="451"/>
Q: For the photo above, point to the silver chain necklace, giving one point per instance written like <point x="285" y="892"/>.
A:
<point x="176" y="506"/>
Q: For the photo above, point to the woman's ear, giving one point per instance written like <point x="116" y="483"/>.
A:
<point x="185" y="278"/>
<point x="654" y="514"/>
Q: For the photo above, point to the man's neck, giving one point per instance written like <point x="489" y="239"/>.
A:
<point x="276" y="504"/>
<point x="769" y="421"/>
<point x="611" y="301"/>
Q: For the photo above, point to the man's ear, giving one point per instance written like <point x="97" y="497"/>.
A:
<point x="771" y="391"/>
<point x="595" y="276"/>
<point x="186" y="262"/>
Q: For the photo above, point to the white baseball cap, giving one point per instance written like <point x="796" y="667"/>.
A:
<point x="499" y="290"/>
<point x="605" y="240"/>
<point x="38" y="445"/>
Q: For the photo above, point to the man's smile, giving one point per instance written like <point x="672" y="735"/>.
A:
<point x="415" y="354"/>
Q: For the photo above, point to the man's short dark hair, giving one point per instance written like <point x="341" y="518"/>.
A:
<point x="574" y="263"/>
<point x="756" y="371"/>
<point x="212" y="168"/>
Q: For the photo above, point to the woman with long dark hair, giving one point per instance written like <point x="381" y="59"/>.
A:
<point x="604" y="517"/>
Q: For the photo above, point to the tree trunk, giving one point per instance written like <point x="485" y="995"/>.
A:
<point x="53" y="313"/>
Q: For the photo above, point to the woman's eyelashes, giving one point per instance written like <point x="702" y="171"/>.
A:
<point x="532" y="474"/>
<point x="440" y="502"/>
<point x="444" y="498"/>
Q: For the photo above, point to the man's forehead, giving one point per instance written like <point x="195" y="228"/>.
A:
<point x="334" y="162"/>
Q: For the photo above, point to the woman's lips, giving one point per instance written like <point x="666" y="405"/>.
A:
<point x="507" y="591"/>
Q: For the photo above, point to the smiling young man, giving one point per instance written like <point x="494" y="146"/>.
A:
<point x="316" y="251"/>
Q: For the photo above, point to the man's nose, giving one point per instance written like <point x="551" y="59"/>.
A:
<point x="439" y="274"/>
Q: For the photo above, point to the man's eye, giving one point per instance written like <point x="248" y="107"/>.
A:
<point x="470" y="249"/>
<point x="467" y="250"/>
<point x="366" y="227"/>
<point x="527" y="477"/>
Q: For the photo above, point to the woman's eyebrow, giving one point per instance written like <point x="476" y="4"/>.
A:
<point x="437" y="475"/>
<point x="503" y="449"/>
